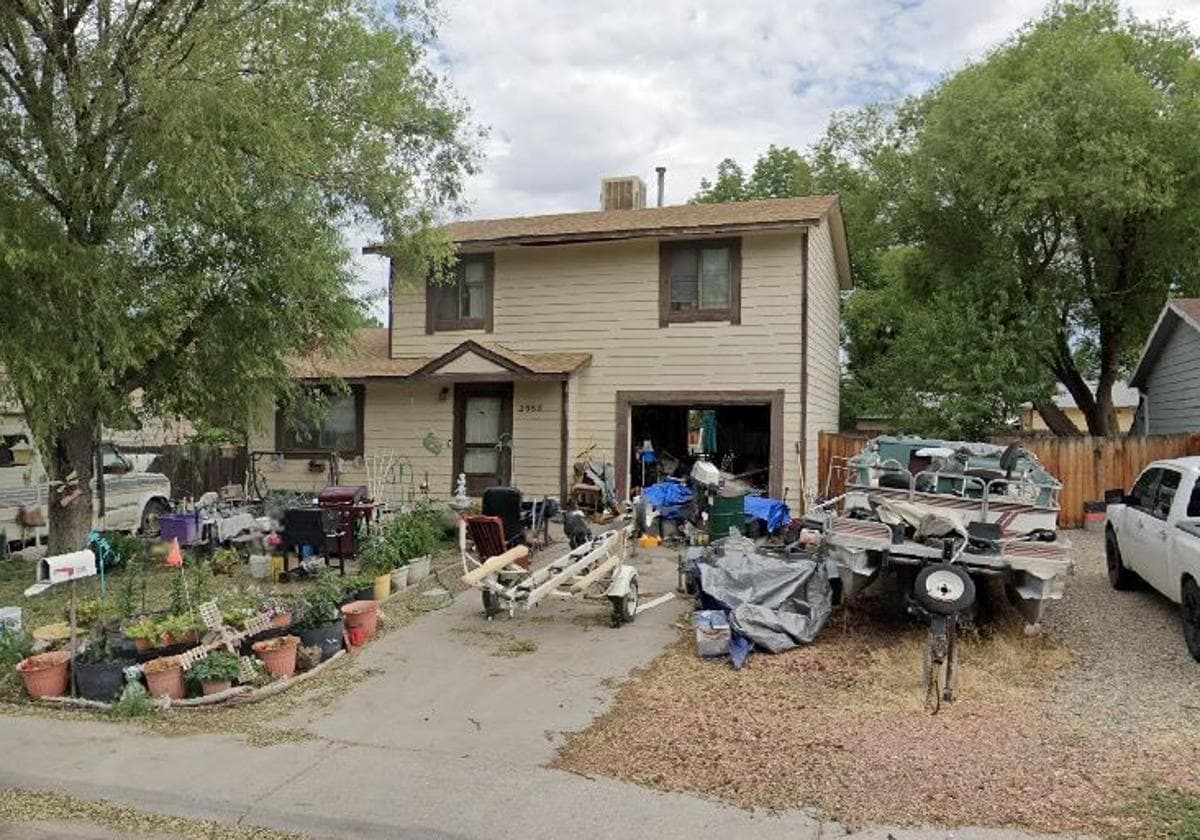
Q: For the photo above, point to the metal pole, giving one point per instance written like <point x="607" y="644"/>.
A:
<point x="74" y="653"/>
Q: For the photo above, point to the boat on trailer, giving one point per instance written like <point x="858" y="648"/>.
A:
<point x="990" y="511"/>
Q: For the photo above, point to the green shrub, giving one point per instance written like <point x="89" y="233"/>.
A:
<point x="323" y="602"/>
<point x="217" y="666"/>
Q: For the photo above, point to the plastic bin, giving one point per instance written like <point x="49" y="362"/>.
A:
<point x="712" y="633"/>
<point x="184" y="527"/>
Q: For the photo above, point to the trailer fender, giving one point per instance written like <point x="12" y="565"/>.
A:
<point x="621" y="580"/>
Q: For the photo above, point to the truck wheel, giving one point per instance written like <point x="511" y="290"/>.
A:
<point x="1119" y="576"/>
<point x="151" y="514"/>
<point x="944" y="589"/>
<point x="1191" y="617"/>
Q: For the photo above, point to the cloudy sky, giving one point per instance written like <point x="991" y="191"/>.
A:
<point x="572" y="91"/>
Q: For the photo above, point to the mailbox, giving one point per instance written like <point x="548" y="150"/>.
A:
<point x="63" y="568"/>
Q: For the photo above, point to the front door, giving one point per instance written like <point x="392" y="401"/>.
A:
<point x="483" y="417"/>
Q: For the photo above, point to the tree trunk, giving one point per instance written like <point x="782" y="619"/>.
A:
<point x="1056" y="419"/>
<point x="71" y="466"/>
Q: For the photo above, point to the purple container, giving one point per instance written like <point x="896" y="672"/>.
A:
<point x="184" y="527"/>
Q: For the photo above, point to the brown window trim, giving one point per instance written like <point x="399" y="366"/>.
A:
<point x="434" y="290"/>
<point x="360" y="404"/>
<point x="733" y="314"/>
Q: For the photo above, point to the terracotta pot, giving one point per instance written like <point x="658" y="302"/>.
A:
<point x="282" y="620"/>
<point x="278" y="655"/>
<point x="361" y="614"/>
<point x="46" y="674"/>
<point x="215" y="686"/>
<point x="142" y="645"/>
<point x="164" y="678"/>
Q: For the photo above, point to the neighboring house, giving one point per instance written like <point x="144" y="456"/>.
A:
<point x="1125" y="402"/>
<point x="593" y="333"/>
<point x="1168" y="372"/>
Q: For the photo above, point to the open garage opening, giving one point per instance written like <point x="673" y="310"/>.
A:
<point x="739" y="431"/>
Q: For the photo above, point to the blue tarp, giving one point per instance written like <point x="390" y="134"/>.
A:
<point x="772" y="511"/>
<point x="667" y="494"/>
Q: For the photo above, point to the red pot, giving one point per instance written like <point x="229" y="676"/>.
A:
<point x="46" y="674"/>
<point x="278" y="655"/>
<point x="361" y="614"/>
<point x="357" y="636"/>
<point x="282" y="620"/>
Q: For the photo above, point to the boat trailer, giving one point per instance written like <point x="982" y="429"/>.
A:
<point x="509" y="579"/>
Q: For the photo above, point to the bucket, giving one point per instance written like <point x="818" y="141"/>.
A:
<point x="712" y="633"/>
<point x="364" y="614"/>
<point x="10" y="619"/>
<point x="383" y="586"/>
<point x="357" y="636"/>
<point x="260" y="566"/>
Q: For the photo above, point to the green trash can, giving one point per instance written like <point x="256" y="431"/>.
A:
<point x="727" y="511"/>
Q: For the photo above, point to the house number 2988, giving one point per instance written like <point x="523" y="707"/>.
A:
<point x="527" y="408"/>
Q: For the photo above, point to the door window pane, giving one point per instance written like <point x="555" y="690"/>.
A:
<point x="482" y="421"/>
<point x="714" y="278"/>
<point x="481" y="460"/>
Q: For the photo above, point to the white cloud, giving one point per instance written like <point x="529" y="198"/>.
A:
<point x="575" y="91"/>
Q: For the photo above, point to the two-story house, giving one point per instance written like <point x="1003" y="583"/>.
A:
<point x="709" y="327"/>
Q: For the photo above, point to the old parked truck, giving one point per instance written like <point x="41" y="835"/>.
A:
<point x="1152" y="534"/>
<point x="134" y="497"/>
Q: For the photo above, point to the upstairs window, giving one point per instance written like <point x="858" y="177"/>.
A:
<point x="465" y="302"/>
<point x="700" y="281"/>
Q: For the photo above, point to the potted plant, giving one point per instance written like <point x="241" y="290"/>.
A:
<point x="144" y="633"/>
<point x="279" y="609"/>
<point x="46" y="674"/>
<point x="224" y="561"/>
<point x="359" y="588"/>
<point x="400" y="575"/>
<point x="99" y="672"/>
<point x="164" y="677"/>
<point x="377" y="559"/>
<point x="180" y="629"/>
<point x="278" y="655"/>
<point x="215" y="672"/>
<point x="320" y="622"/>
<point x="415" y="537"/>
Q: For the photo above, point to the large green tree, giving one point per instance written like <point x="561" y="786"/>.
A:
<point x="174" y="179"/>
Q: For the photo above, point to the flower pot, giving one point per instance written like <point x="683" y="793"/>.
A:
<point x="383" y="586"/>
<point x="361" y="614"/>
<point x="400" y="579"/>
<point x="215" y="686"/>
<point x="282" y="620"/>
<point x="164" y="678"/>
<point x="327" y="637"/>
<point x="46" y="674"/>
<point x="357" y="636"/>
<point x="418" y="569"/>
<point x="101" y="681"/>
<point x="142" y="645"/>
<point x="367" y="593"/>
<point x="278" y="655"/>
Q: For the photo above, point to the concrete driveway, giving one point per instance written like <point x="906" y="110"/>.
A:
<point x="447" y="738"/>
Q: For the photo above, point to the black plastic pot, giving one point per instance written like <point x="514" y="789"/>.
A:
<point x="101" y="681"/>
<point x="328" y="637"/>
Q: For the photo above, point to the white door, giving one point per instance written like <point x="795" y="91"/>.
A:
<point x="1136" y="539"/>
<point x="1155" y="561"/>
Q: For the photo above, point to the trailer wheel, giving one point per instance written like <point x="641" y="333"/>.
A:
<point x="944" y="589"/>
<point x="625" y="606"/>
<point x="491" y="604"/>
<point x="1191" y="617"/>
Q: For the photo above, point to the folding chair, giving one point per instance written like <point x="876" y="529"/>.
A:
<point x="487" y="534"/>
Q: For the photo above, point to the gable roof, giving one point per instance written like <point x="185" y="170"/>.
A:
<point x="367" y="358"/>
<point x="673" y="221"/>
<point x="1185" y="311"/>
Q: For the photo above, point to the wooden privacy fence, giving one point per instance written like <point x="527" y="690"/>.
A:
<point x="1086" y="466"/>
<point x="194" y="470"/>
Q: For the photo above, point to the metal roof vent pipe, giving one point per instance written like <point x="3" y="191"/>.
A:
<point x="662" y="181"/>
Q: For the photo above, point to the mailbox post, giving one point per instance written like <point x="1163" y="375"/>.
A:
<point x="64" y="568"/>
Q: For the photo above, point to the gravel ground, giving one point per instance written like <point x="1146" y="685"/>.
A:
<point x="1060" y="732"/>
<point x="1132" y="674"/>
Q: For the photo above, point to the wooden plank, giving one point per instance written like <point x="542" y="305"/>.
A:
<point x="495" y="564"/>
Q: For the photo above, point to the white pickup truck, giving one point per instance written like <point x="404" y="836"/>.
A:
<point x="1153" y="534"/>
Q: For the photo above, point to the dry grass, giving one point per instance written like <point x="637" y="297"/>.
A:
<point x="840" y="725"/>
<point x="44" y="806"/>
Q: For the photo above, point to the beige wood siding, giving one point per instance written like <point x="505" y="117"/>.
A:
<point x="824" y="356"/>
<point x="603" y="299"/>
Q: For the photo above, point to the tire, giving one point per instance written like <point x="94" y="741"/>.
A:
<point x="625" y="606"/>
<point x="153" y="511"/>
<point x="1119" y="577"/>
<point x="944" y="589"/>
<point x="1191" y="617"/>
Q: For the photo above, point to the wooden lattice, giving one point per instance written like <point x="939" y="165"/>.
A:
<point x="227" y="638"/>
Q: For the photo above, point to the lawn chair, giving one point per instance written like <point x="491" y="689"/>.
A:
<point x="487" y="535"/>
<point x="504" y="504"/>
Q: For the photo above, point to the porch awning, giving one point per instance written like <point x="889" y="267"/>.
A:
<point x="368" y="358"/>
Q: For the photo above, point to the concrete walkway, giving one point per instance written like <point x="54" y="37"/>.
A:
<point x="448" y="740"/>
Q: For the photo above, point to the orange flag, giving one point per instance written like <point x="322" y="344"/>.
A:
<point x="175" y="555"/>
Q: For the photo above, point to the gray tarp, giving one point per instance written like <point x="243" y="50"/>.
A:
<point x="775" y="603"/>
